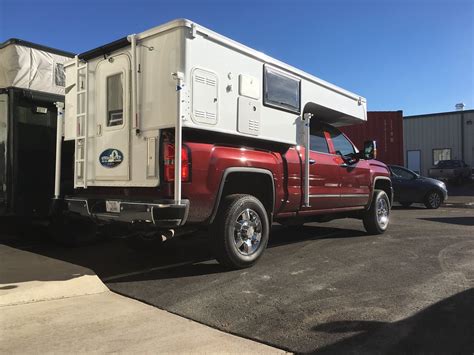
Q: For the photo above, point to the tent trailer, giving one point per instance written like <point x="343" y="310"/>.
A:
<point x="31" y="82"/>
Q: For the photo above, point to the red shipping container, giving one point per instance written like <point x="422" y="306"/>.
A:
<point x="385" y="127"/>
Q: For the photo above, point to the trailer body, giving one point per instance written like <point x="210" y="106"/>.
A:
<point x="31" y="82"/>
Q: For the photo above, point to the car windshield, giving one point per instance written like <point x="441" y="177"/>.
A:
<point x="449" y="164"/>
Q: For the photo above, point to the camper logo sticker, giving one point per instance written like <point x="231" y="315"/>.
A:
<point x="110" y="158"/>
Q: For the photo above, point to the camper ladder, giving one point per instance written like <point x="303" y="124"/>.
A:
<point x="80" y="150"/>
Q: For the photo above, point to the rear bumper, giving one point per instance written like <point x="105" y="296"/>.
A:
<point x="161" y="213"/>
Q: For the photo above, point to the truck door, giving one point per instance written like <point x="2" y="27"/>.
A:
<point x="112" y="138"/>
<point x="354" y="179"/>
<point x="323" y="172"/>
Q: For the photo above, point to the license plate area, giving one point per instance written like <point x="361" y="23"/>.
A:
<point x="112" y="206"/>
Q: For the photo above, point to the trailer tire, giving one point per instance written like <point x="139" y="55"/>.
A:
<point x="73" y="232"/>
<point x="240" y="231"/>
<point x="376" y="218"/>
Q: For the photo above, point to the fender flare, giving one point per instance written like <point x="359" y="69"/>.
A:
<point x="373" y="190"/>
<point x="229" y="171"/>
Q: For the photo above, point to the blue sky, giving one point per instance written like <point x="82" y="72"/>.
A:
<point x="410" y="55"/>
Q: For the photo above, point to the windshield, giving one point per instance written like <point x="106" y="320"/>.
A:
<point x="449" y="164"/>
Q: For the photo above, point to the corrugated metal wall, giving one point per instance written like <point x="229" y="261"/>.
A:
<point x="386" y="127"/>
<point x="439" y="131"/>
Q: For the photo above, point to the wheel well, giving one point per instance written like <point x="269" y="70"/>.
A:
<point x="259" y="185"/>
<point x="385" y="185"/>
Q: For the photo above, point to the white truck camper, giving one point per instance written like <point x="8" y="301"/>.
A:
<point x="179" y="76"/>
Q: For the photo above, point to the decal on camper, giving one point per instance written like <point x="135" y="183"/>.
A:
<point x="110" y="158"/>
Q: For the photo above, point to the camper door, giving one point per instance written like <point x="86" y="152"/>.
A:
<point x="113" y="118"/>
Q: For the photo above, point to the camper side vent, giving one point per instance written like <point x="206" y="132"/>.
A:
<point x="248" y="116"/>
<point x="204" y="96"/>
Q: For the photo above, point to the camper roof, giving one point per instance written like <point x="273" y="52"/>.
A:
<point x="41" y="47"/>
<point x="123" y="42"/>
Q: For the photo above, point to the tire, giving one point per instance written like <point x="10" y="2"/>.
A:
<point x="376" y="219"/>
<point x="406" y="204"/>
<point x="73" y="232"/>
<point x="238" y="249"/>
<point x="433" y="200"/>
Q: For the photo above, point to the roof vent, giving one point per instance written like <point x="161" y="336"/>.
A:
<point x="460" y="106"/>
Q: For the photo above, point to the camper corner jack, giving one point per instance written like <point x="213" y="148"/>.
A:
<point x="307" y="139"/>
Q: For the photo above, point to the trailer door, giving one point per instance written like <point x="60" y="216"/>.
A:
<point x="112" y="158"/>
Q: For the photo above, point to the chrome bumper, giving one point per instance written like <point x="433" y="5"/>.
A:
<point x="162" y="213"/>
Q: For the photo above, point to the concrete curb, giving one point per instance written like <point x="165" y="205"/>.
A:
<point x="27" y="277"/>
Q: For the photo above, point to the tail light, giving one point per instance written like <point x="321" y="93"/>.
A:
<point x="168" y="162"/>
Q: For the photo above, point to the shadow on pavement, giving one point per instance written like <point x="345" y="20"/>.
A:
<point x="446" y="327"/>
<point x="180" y="257"/>
<point x="463" y="221"/>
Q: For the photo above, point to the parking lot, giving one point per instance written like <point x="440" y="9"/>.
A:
<point x="322" y="288"/>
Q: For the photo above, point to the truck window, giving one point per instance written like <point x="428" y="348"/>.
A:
<point x="318" y="141"/>
<point x="114" y="100"/>
<point x="340" y="142"/>
<point x="281" y="90"/>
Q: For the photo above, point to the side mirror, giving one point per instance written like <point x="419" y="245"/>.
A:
<point x="370" y="150"/>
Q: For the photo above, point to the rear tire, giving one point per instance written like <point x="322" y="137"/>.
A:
<point x="376" y="219"/>
<point x="240" y="231"/>
<point x="433" y="200"/>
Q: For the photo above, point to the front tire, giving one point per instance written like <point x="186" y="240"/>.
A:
<point x="376" y="219"/>
<point x="240" y="232"/>
<point x="433" y="200"/>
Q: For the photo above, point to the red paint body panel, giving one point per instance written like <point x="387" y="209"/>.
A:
<point x="385" y="127"/>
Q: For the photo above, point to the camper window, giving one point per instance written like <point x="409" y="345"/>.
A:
<point x="59" y="75"/>
<point x="281" y="91"/>
<point x="114" y="100"/>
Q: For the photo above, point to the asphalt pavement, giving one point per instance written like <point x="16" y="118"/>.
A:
<point x="324" y="288"/>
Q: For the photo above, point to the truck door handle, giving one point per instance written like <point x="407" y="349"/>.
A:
<point x="343" y="165"/>
<point x="312" y="161"/>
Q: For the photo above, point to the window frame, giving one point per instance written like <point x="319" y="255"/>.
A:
<point x="433" y="151"/>
<point x="107" y="111"/>
<point x="274" y="105"/>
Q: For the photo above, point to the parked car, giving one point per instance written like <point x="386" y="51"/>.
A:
<point x="409" y="187"/>
<point x="451" y="170"/>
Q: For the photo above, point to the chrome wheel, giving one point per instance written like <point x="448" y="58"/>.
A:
<point x="382" y="211"/>
<point x="434" y="199"/>
<point x="247" y="232"/>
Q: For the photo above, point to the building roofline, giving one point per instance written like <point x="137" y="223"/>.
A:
<point x="437" y="114"/>
<point x="40" y="47"/>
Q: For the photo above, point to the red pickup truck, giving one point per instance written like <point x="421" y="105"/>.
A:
<point x="236" y="187"/>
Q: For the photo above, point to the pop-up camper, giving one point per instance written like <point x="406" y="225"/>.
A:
<point x="172" y="126"/>
<point x="32" y="80"/>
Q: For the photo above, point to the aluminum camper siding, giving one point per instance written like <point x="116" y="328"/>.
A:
<point x="385" y="127"/>
<point x="425" y="133"/>
<point x="228" y="60"/>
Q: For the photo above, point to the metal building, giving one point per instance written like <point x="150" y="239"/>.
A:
<point x="438" y="136"/>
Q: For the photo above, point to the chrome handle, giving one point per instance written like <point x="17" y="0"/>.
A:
<point x="312" y="161"/>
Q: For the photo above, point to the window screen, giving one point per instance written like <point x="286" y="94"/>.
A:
<point x="318" y="141"/>
<point x="341" y="143"/>
<point x="441" y="154"/>
<point x="59" y="75"/>
<point x="114" y="100"/>
<point x="281" y="91"/>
